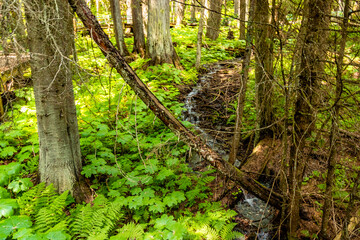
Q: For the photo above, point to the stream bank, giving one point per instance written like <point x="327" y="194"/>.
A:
<point x="209" y="107"/>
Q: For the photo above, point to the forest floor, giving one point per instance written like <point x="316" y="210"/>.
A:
<point x="214" y="103"/>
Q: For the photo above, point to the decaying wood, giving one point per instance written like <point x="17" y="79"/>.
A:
<point x="131" y="78"/>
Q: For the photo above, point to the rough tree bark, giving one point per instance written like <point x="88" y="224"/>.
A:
<point x="160" y="47"/>
<point x="116" y="60"/>
<point x="312" y="72"/>
<point x="50" y="32"/>
<point x="118" y="27"/>
<point x="214" y="20"/>
<point x="263" y="70"/>
<point x="180" y="11"/>
<point x="138" y="28"/>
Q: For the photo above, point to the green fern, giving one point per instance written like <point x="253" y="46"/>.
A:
<point x="48" y="216"/>
<point x="228" y="233"/>
<point x="207" y="232"/>
<point x="95" y="222"/>
<point x="37" y="198"/>
<point x="129" y="231"/>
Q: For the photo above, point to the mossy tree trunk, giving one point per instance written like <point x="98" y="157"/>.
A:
<point x="50" y="32"/>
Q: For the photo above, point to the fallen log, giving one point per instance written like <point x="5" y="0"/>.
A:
<point x="141" y="90"/>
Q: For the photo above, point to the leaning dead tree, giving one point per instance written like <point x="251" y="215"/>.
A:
<point x="118" y="62"/>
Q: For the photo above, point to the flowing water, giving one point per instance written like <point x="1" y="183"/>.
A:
<point x="257" y="212"/>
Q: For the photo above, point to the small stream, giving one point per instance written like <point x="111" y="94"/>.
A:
<point x="250" y="208"/>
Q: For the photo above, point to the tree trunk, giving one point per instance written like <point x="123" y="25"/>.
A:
<point x="116" y="60"/>
<point x="160" y="47"/>
<point x="312" y="71"/>
<point x="50" y="46"/>
<point x="193" y="11"/>
<point x="263" y="70"/>
<point x="214" y="20"/>
<point x="237" y="8"/>
<point x="118" y="27"/>
<point x="180" y="11"/>
<point x="138" y="29"/>
<point x="335" y="125"/>
<point x="242" y="15"/>
<point x="200" y="36"/>
<point x="145" y="14"/>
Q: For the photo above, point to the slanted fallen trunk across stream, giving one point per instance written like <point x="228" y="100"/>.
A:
<point x="131" y="78"/>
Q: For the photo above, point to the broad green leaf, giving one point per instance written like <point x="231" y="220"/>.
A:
<point x="7" y="207"/>
<point x="7" y="152"/>
<point x="13" y="168"/>
<point x="148" y="192"/>
<point x="22" y="184"/>
<point x="7" y="226"/>
<point x="22" y="233"/>
<point x="162" y="222"/>
<point x="58" y="235"/>
<point x="4" y="178"/>
<point x="158" y="207"/>
<point x="4" y="193"/>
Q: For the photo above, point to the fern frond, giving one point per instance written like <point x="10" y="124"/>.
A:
<point x="95" y="222"/>
<point x="227" y="232"/>
<point x="208" y="232"/>
<point x="28" y="201"/>
<point x="51" y="214"/>
<point x="80" y="225"/>
<point x="130" y="231"/>
<point x="37" y="198"/>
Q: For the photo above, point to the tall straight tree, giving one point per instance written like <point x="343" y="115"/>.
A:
<point x="313" y="53"/>
<point x="50" y="31"/>
<point x="160" y="47"/>
<point x="118" y="27"/>
<point x="138" y="28"/>
<point x="200" y="36"/>
<point x="214" y="20"/>
<point x="193" y="11"/>
<point x="263" y="69"/>
<point x="180" y="11"/>
<point x="242" y="14"/>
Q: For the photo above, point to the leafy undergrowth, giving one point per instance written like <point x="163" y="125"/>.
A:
<point x="137" y="167"/>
